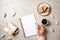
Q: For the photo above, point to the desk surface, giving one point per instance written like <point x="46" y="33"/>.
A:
<point x="26" y="7"/>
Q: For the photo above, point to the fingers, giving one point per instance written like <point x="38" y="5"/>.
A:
<point x="37" y="27"/>
<point x="40" y="27"/>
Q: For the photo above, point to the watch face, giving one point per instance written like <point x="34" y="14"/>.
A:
<point x="44" y="9"/>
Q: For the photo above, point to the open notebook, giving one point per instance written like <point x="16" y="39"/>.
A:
<point x="28" y="25"/>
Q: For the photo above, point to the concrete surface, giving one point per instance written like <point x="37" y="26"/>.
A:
<point x="26" y="7"/>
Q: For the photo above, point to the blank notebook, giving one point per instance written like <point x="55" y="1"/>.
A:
<point x="28" y="25"/>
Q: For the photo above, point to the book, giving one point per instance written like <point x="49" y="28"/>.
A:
<point x="28" y="25"/>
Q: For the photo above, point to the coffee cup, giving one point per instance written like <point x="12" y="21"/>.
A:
<point x="45" y="22"/>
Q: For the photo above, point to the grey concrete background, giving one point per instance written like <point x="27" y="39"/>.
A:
<point x="26" y="7"/>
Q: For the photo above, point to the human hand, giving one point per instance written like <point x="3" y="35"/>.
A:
<point x="40" y="30"/>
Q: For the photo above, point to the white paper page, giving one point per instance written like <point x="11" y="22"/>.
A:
<point x="29" y="26"/>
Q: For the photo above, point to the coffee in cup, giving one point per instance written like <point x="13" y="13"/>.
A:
<point x="45" y="22"/>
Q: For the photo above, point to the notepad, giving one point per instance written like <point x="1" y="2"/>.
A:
<point x="28" y="25"/>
